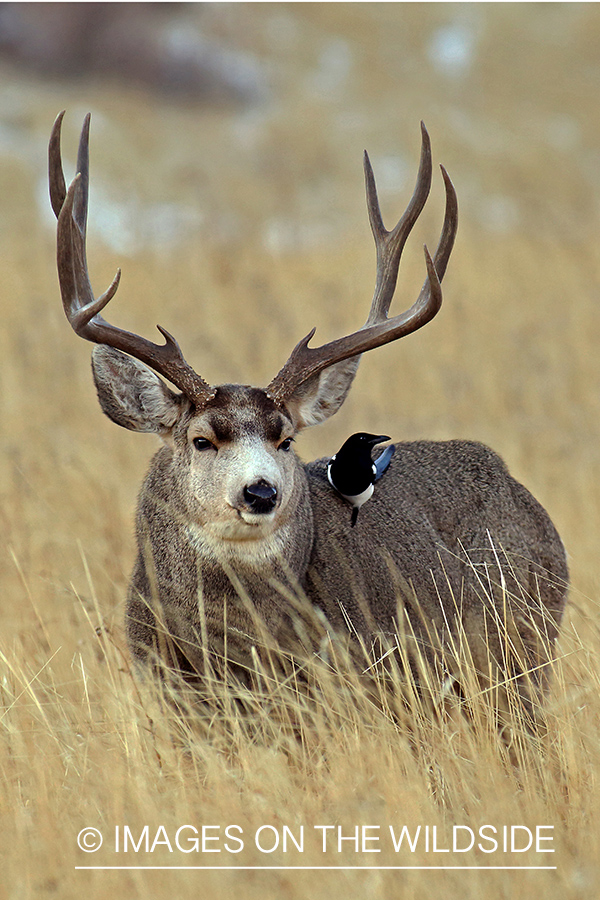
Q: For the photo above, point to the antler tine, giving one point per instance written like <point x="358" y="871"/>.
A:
<point x="58" y="190"/>
<point x="450" y="227"/>
<point x="80" y="206"/>
<point x="305" y="362"/>
<point x="81" y="308"/>
<point x="390" y="244"/>
<point x="429" y="301"/>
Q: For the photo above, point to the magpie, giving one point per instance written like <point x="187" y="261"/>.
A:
<point x="352" y="472"/>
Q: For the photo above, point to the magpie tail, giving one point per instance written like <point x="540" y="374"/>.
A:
<point x="383" y="461"/>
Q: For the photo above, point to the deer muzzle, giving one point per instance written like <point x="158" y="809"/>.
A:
<point x="260" y="497"/>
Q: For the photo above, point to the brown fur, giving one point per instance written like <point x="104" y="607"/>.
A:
<point x="449" y="547"/>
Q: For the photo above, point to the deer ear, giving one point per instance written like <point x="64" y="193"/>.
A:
<point x="321" y="396"/>
<point x="130" y="393"/>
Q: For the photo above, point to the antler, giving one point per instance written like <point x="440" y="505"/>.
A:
<point x="82" y="310"/>
<point x="304" y="361"/>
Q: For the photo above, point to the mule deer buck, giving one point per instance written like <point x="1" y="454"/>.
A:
<point x="233" y="528"/>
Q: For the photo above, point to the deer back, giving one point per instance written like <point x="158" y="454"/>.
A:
<point x="450" y="545"/>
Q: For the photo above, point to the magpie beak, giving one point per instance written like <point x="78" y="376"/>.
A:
<point x="352" y="472"/>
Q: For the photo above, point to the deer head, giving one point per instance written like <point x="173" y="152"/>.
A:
<point x="230" y="444"/>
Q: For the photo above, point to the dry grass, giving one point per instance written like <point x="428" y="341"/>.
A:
<point x="511" y="360"/>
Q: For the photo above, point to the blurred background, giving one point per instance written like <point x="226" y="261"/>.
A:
<point x="226" y="181"/>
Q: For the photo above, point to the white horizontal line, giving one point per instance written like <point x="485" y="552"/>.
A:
<point x="319" y="868"/>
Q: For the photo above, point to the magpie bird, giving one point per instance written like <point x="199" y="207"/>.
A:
<point x="352" y="472"/>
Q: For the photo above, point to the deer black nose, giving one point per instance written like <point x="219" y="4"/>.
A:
<point x="261" y="496"/>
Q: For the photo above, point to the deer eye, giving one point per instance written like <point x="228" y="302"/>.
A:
<point x="286" y="445"/>
<point x="201" y="443"/>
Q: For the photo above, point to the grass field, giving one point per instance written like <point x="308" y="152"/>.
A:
<point x="240" y="230"/>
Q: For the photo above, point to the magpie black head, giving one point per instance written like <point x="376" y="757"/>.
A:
<point x="361" y="443"/>
<point x="351" y="471"/>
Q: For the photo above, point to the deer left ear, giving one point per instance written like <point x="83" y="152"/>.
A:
<point x="320" y="397"/>
<point x="131" y="395"/>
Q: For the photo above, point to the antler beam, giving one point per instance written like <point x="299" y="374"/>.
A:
<point x="305" y="362"/>
<point x="81" y="308"/>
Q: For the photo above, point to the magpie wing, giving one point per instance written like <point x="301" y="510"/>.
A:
<point x="383" y="461"/>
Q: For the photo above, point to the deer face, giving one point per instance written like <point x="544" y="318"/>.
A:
<point x="233" y="458"/>
<point x="242" y="473"/>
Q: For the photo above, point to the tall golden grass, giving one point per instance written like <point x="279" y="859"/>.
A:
<point x="511" y="359"/>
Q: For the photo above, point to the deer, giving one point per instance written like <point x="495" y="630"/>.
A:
<point x="233" y="528"/>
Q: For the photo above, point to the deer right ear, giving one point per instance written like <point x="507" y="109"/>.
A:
<point x="321" y="396"/>
<point x="131" y="395"/>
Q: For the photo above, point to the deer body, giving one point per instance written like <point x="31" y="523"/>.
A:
<point x="438" y="537"/>
<point x="233" y="530"/>
<point x="455" y="540"/>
